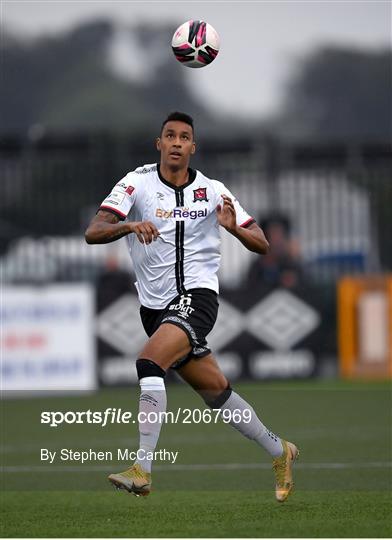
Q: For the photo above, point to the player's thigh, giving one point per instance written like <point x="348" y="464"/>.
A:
<point x="167" y="345"/>
<point x="205" y="376"/>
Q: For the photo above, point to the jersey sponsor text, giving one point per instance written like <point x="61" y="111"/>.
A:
<point x="180" y="213"/>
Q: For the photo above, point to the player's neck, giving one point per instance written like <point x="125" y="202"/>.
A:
<point x="177" y="177"/>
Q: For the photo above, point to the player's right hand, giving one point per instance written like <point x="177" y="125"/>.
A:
<point x="145" y="231"/>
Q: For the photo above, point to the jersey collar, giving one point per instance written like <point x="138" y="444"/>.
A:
<point x="191" y="178"/>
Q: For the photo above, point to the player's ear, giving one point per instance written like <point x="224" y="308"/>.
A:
<point x="158" y="144"/>
<point x="193" y="150"/>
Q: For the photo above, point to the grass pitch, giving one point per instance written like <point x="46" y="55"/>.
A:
<point x="221" y="484"/>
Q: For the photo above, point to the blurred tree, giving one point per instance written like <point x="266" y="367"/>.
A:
<point x="340" y="94"/>
<point x="67" y="82"/>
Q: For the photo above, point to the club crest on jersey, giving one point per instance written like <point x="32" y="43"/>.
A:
<point x="200" y="194"/>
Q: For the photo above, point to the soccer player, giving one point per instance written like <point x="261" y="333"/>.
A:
<point x="171" y="215"/>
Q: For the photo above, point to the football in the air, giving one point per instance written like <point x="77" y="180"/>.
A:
<point x="195" y="44"/>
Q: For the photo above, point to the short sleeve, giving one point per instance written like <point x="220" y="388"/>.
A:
<point x="122" y="197"/>
<point x="243" y="218"/>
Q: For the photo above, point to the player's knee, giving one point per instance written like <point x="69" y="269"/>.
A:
<point x="216" y="400"/>
<point x="148" y="368"/>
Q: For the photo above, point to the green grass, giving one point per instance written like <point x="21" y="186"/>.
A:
<point x="196" y="514"/>
<point x="343" y="480"/>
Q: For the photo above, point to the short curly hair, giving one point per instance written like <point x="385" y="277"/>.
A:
<point x="179" y="117"/>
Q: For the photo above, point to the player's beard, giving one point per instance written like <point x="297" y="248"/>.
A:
<point x="179" y="165"/>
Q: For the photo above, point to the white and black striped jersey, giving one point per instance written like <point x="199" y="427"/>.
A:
<point x="186" y="255"/>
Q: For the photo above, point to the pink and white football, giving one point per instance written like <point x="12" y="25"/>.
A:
<point x="195" y="44"/>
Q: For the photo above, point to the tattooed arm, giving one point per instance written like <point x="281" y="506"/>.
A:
<point x="106" y="227"/>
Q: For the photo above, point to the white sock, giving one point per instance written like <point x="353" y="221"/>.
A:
<point x="152" y="402"/>
<point x="253" y="429"/>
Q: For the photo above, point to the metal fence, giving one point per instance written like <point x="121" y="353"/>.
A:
<point x="324" y="208"/>
<point x="325" y="211"/>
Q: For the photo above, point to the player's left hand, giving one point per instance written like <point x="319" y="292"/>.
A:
<point x="226" y="214"/>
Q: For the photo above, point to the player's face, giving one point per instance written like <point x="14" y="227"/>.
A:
<point x="176" y="144"/>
